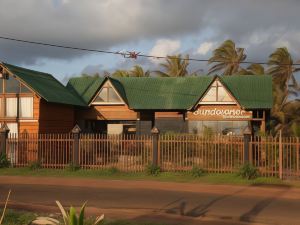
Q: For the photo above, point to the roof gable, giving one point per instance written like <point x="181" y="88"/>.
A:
<point x="85" y="87"/>
<point x="217" y="93"/>
<point x="45" y="85"/>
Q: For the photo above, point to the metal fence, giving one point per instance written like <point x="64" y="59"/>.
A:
<point x="273" y="156"/>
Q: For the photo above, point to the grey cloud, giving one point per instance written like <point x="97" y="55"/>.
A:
<point x="108" y="23"/>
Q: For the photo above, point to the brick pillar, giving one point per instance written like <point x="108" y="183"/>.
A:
<point x="4" y="130"/>
<point x="155" y="155"/>
<point x="247" y="139"/>
<point x="76" y="135"/>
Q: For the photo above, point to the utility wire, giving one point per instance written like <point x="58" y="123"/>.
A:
<point x="128" y="54"/>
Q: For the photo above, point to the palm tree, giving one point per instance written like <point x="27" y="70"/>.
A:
<point x="121" y="73"/>
<point x="175" y="66"/>
<point x="137" y="71"/>
<point x="227" y="58"/>
<point x="284" y="113"/>
<point x="282" y="70"/>
<point x="253" y="69"/>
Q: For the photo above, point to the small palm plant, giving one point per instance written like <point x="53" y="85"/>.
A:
<point x="70" y="218"/>
<point x="73" y="219"/>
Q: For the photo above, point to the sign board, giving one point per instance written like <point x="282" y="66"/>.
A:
<point x="219" y="112"/>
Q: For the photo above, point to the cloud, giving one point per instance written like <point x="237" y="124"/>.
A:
<point x="259" y="25"/>
<point x="165" y="47"/>
<point x="205" y="47"/>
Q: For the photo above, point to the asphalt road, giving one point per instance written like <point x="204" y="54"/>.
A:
<point x="211" y="205"/>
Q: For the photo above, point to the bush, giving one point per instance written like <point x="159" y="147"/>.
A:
<point x="248" y="171"/>
<point x="72" y="167"/>
<point x="152" y="170"/>
<point x="35" y="165"/>
<point x="113" y="170"/>
<point x="197" y="171"/>
<point x="4" y="163"/>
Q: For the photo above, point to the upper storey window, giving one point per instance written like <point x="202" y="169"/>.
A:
<point x="108" y="95"/>
<point x="10" y="85"/>
<point x="217" y="94"/>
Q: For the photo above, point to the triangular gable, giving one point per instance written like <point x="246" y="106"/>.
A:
<point x="217" y="93"/>
<point x="107" y="95"/>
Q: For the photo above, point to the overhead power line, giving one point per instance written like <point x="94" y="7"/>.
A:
<point x="128" y="54"/>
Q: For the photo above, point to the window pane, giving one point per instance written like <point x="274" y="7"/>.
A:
<point x="11" y="107"/>
<point x="210" y="95"/>
<point x="223" y="96"/>
<point x="102" y="97"/>
<point x="1" y="107"/>
<point x="26" y="107"/>
<point x="24" y="89"/>
<point x="113" y="97"/>
<point x="12" y="85"/>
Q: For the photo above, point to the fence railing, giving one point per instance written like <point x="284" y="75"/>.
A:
<point x="274" y="156"/>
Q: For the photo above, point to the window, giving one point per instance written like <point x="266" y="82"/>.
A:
<point x="12" y="85"/>
<point x="24" y="89"/>
<point x="26" y="107"/>
<point x="11" y="107"/>
<point x="217" y="93"/>
<point x="108" y="95"/>
<point x="1" y="85"/>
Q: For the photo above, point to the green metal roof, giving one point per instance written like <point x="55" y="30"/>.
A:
<point x="251" y="91"/>
<point x="181" y="93"/>
<point x="85" y="87"/>
<point x="45" y="85"/>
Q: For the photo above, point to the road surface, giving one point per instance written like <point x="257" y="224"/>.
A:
<point x="174" y="203"/>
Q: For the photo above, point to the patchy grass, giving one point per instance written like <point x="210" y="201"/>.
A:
<point x="114" y="174"/>
<point x="16" y="217"/>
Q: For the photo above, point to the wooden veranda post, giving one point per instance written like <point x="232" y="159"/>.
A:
<point x="4" y="130"/>
<point x="280" y="155"/>
<point x="76" y="135"/>
<point x="155" y="135"/>
<point x="247" y="139"/>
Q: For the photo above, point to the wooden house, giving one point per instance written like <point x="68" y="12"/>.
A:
<point x="221" y="104"/>
<point x="35" y="102"/>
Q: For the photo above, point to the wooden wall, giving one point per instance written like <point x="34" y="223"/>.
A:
<point x="56" y="118"/>
<point x="106" y="112"/>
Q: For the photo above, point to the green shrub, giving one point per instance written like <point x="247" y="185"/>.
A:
<point x="113" y="170"/>
<point x="152" y="170"/>
<point x="197" y="171"/>
<point x="35" y="165"/>
<point x="4" y="163"/>
<point x="248" y="171"/>
<point x="72" y="167"/>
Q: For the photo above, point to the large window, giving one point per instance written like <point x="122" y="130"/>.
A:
<point x="108" y="95"/>
<point x="26" y="107"/>
<point x="217" y="94"/>
<point x="218" y="127"/>
<point x="11" y="85"/>
<point x="11" y="107"/>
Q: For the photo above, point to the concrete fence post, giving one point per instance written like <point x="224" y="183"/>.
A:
<point x="4" y="130"/>
<point x="247" y="139"/>
<point x="76" y="135"/>
<point x="155" y="153"/>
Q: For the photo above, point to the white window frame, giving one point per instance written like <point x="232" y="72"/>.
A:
<point x="108" y="85"/>
<point x="20" y="108"/>
<point x="216" y="81"/>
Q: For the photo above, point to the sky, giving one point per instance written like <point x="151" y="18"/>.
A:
<point x="156" y="27"/>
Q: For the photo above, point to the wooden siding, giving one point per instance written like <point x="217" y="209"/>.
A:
<point x="56" y="118"/>
<point x="106" y="112"/>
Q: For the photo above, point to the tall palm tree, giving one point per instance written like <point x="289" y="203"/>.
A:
<point x="253" y="69"/>
<point x="227" y="58"/>
<point x="175" y="66"/>
<point x="282" y="70"/>
<point x="137" y="71"/>
<point x="284" y="83"/>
